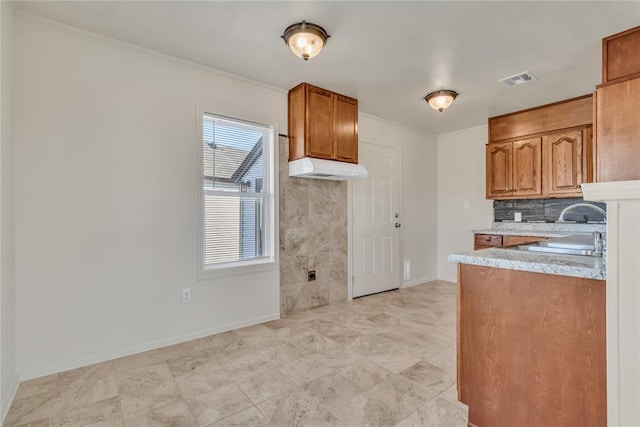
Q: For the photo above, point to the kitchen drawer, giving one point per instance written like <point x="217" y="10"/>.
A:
<point x="520" y="240"/>
<point x="487" y="240"/>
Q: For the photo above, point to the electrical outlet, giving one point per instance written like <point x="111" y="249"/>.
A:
<point x="186" y="296"/>
<point x="407" y="269"/>
<point x="517" y="216"/>
<point x="311" y="276"/>
<point x="466" y="205"/>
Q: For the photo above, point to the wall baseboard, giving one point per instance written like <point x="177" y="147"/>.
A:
<point x="150" y="345"/>
<point x="8" y="399"/>
<point x="416" y="282"/>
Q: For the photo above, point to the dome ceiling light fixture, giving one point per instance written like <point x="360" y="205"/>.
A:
<point x="305" y="39"/>
<point x="441" y="99"/>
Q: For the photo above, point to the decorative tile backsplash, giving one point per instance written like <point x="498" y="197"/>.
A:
<point x="548" y="210"/>
<point x="313" y="237"/>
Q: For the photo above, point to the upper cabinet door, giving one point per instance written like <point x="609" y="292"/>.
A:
<point x="618" y="131"/>
<point x="563" y="163"/>
<point x="527" y="167"/>
<point x="499" y="172"/>
<point x="320" y="124"/>
<point x="346" y="122"/>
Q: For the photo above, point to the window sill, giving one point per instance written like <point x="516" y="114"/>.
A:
<point x="237" y="269"/>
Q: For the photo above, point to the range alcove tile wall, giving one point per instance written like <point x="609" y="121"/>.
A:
<point x="313" y="236"/>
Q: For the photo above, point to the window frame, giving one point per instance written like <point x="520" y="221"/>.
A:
<point x="270" y="261"/>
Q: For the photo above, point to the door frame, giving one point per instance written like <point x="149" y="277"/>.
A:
<point x="350" y="226"/>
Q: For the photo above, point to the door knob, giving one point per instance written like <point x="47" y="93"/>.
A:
<point x="398" y="225"/>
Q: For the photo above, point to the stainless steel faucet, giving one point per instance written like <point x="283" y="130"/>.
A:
<point x="584" y="205"/>
<point x="598" y="243"/>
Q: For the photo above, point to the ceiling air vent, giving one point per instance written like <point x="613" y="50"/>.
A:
<point x="518" y="79"/>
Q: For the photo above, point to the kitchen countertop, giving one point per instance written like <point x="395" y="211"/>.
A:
<point x="564" y="265"/>
<point x="538" y="262"/>
<point x="540" y="229"/>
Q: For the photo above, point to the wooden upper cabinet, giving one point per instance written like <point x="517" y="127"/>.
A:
<point x="322" y="124"/>
<point x="499" y="172"/>
<point x="514" y="169"/>
<point x="566" y="163"/>
<point x="346" y="129"/>
<point x="542" y="152"/>
<point x="621" y="56"/>
<point x="527" y="167"/>
<point x="618" y="131"/>
<point x="574" y="112"/>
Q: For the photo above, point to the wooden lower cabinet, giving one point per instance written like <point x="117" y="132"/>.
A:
<point x="531" y="348"/>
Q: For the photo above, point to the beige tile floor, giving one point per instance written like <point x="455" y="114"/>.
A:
<point x="382" y="360"/>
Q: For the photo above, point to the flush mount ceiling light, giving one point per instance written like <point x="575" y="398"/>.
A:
<point x="305" y="39"/>
<point x="441" y="100"/>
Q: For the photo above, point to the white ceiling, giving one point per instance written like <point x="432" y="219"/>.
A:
<point x="388" y="54"/>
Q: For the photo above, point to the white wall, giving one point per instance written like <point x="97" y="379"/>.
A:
<point x="106" y="200"/>
<point x="8" y="378"/>
<point x="419" y="173"/>
<point x="461" y="177"/>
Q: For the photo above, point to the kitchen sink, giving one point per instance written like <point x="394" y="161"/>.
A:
<point x="534" y="247"/>
<point x="570" y="245"/>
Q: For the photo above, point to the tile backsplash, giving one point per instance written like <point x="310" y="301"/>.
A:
<point x="546" y="210"/>
<point x="313" y="237"/>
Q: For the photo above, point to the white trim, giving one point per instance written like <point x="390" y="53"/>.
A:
<point x="412" y="283"/>
<point x="141" y="49"/>
<point x="8" y="399"/>
<point x="269" y="263"/>
<point x="611" y="191"/>
<point x="349" y="241"/>
<point x="150" y="345"/>
<point x="622" y="319"/>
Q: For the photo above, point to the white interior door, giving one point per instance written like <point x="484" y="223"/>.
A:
<point x="376" y="221"/>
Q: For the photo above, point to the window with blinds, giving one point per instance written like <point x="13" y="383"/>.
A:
<point x="237" y="199"/>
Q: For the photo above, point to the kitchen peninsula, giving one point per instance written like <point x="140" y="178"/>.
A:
<point x="531" y="334"/>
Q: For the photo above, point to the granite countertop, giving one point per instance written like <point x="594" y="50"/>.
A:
<point x="540" y="229"/>
<point x="564" y="265"/>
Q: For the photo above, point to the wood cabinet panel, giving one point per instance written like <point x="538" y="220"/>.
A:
<point x="487" y="240"/>
<point x="296" y="116"/>
<point x="498" y="170"/>
<point x="531" y="348"/>
<point x="566" y="114"/>
<point x="618" y="131"/>
<point x="527" y="167"/>
<point x="483" y="241"/>
<point x="563" y="163"/>
<point x="322" y="124"/>
<point x="513" y="169"/>
<point x="346" y="129"/>
<point x="520" y="240"/>
<point x="621" y="55"/>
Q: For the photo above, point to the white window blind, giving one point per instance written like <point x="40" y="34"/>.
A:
<point x="237" y="197"/>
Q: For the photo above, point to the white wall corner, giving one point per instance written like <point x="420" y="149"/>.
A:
<point x="7" y="399"/>
<point x="622" y="297"/>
